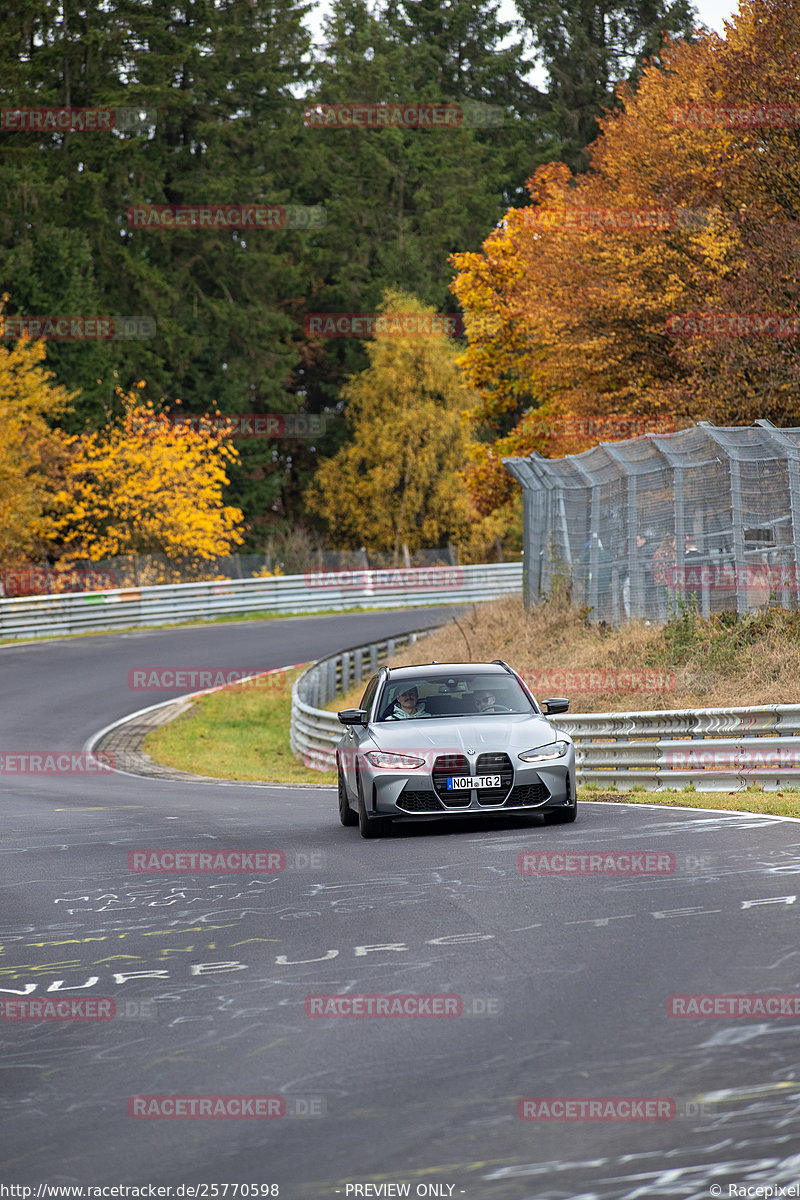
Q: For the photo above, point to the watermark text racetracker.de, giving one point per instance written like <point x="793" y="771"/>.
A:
<point x="735" y="116"/>
<point x="398" y="1005"/>
<point x="605" y="862"/>
<point x="596" y="1108"/>
<point x="240" y="425"/>
<point x="735" y="1005"/>
<point x="81" y="328"/>
<point x="553" y="680"/>
<point x="733" y="325"/>
<point x="76" y="120"/>
<point x="54" y="762"/>
<point x="615" y="220"/>
<point x="76" y="1008"/>
<point x="725" y="578"/>
<point x="418" y="578"/>
<point x="42" y="580"/>
<point x="378" y="324"/>
<point x="410" y="115"/>
<point x="229" y="861"/>
<point x="227" y="216"/>
<point x="733" y="759"/>
<point x="162" y="679"/>
<point x="562" y="429"/>
<point x="164" y="1107"/>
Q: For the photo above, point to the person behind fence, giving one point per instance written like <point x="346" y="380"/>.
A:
<point x="584" y="575"/>
<point x="408" y="704"/>
<point x="663" y="560"/>
<point x="645" y="549"/>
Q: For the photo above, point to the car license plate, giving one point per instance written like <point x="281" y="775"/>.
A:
<point x="461" y="783"/>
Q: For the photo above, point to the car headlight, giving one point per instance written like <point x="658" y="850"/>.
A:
<point x="543" y="753"/>
<point x="388" y="762"/>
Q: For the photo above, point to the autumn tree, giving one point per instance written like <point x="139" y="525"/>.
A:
<point x="396" y="481"/>
<point x="679" y="214"/>
<point x="29" y="451"/>
<point x="144" y="485"/>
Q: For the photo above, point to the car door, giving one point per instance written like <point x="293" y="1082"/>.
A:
<point x="353" y="737"/>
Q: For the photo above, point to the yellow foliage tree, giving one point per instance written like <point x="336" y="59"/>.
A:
<point x="398" y="480"/>
<point x="29" y="451"/>
<point x="143" y="485"/>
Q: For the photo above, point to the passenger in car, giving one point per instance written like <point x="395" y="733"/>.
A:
<point x="407" y="705"/>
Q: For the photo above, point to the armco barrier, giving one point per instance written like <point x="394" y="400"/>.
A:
<point x="715" y="749"/>
<point x="314" y="730"/>
<point x="120" y="608"/>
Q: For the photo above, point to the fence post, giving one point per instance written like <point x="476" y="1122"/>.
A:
<point x="739" y="565"/>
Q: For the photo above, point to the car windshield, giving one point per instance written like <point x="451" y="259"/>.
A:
<point x="418" y="697"/>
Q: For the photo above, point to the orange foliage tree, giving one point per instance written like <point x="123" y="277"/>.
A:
<point x="583" y="302"/>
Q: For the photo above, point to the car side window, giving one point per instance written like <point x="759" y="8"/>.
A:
<point x="369" y="694"/>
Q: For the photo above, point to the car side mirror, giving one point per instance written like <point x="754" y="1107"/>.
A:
<point x="556" y="704"/>
<point x="353" y="716"/>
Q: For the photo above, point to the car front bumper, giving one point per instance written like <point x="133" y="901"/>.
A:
<point x="405" y="794"/>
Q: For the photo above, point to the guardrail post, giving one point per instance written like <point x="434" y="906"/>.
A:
<point x="358" y="665"/>
<point x="373" y="657"/>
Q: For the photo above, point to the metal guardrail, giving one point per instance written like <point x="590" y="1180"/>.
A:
<point x="714" y="749"/>
<point x="164" y="604"/>
<point x="314" y="731"/>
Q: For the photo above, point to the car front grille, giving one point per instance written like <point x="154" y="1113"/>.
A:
<point x="418" y="802"/>
<point x="458" y="764"/>
<point x="450" y="764"/>
<point x="528" y="794"/>
<point x="495" y="764"/>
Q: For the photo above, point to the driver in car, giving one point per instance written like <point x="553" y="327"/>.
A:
<point x="408" y="704"/>
<point x="485" y="702"/>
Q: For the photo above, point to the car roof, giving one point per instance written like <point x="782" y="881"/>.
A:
<point x="436" y="670"/>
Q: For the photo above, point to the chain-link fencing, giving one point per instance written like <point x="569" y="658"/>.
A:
<point x="708" y="517"/>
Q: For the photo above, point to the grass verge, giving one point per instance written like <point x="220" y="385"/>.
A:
<point x="753" y="800"/>
<point x="238" y="733"/>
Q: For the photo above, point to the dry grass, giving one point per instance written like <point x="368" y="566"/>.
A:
<point x="720" y="662"/>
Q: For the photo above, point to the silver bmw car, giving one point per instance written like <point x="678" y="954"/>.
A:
<point x="452" y="740"/>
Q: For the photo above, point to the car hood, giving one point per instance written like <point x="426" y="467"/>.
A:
<point x="521" y="732"/>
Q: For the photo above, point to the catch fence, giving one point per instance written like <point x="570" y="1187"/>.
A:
<point x="708" y="517"/>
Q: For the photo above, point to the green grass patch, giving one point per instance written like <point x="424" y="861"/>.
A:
<point x="237" y="733"/>
<point x="785" y="803"/>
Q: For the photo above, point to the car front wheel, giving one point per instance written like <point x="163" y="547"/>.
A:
<point x="369" y="827"/>
<point x="346" y="814"/>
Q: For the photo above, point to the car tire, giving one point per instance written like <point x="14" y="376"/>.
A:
<point x="561" y="816"/>
<point x="346" y="814"/>
<point x="369" y="827"/>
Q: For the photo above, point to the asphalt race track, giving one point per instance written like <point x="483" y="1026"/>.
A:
<point x="562" y="979"/>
